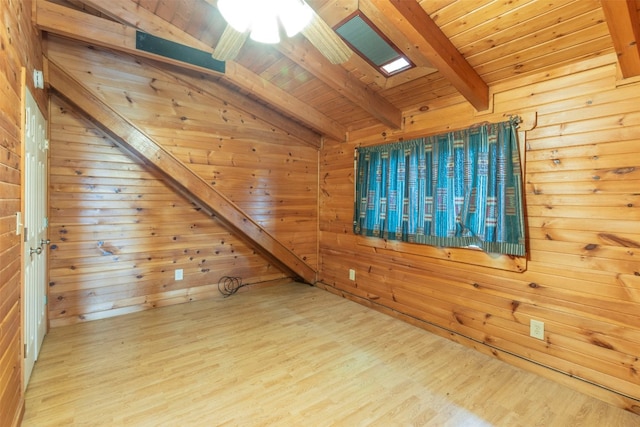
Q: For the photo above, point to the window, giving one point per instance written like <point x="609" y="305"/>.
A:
<point x="458" y="189"/>
<point x="369" y="42"/>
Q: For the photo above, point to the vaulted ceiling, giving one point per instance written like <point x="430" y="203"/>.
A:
<point x="461" y="49"/>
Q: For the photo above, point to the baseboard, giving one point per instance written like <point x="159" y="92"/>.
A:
<point x="578" y="384"/>
<point x="17" y="421"/>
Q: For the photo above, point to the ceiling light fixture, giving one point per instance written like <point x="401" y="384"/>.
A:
<point x="263" y="18"/>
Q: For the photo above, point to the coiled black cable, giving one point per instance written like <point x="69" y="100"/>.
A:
<point x="228" y="285"/>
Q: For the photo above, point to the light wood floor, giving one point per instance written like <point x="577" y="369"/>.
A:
<point x="291" y="355"/>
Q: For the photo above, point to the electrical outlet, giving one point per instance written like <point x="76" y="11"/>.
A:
<point x="352" y="274"/>
<point x="178" y="274"/>
<point x="536" y="329"/>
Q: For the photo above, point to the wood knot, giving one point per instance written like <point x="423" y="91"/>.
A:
<point x="617" y="240"/>
<point x="514" y="306"/>
<point x="622" y="171"/>
<point x="601" y="343"/>
<point x="458" y="318"/>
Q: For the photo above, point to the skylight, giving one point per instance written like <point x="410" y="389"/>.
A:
<point x="396" y="66"/>
<point x="369" y="42"/>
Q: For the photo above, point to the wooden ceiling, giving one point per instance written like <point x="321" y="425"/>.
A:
<point x="460" y="47"/>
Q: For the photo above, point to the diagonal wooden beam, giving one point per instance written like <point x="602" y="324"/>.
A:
<point x="340" y="80"/>
<point x="322" y="62"/>
<point x="441" y="53"/>
<point x="624" y="27"/>
<point x="389" y="28"/>
<point x="77" y="25"/>
<point x="176" y="172"/>
<point x="316" y="63"/>
<point x="130" y="13"/>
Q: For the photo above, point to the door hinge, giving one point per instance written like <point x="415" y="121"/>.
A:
<point x="46" y="144"/>
<point x="46" y="300"/>
<point x="25" y="351"/>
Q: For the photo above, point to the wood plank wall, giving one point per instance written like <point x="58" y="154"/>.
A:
<point x="583" y="208"/>
<point x="20" y="47"/>
<point x="118" y="232"/>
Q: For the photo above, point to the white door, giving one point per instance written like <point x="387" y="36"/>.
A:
<point x="35" y="232"/>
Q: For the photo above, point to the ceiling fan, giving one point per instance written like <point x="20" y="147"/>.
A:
<point x="261" y="21"/>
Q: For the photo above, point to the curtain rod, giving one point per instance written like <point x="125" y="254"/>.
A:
<point x="514" y="119"/>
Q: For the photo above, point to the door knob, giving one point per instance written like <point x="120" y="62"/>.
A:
<point x="37" y="250"/>
<point x="45" y="242"/>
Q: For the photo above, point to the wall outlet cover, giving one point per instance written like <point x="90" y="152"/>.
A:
<point x="536" y="329"/>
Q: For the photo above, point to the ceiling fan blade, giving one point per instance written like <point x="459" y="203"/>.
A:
<point x="322" y="36"/>
<point x="229" y="44"/>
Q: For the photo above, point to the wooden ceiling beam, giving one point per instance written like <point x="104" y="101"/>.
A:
<point x="624" y="27"/>
<point x="381" y="18"/>
<point x="440" y="52"/>
<point x="174" y="171"/>
<point x="311" y="59"/>
<point x="335" y="76"/>
<point x="340" y="80"/>
<point x="139" y="17"/>
<point x="77" y="25"/>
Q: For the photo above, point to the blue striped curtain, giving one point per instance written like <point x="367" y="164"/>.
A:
<point x="457" y="189"/>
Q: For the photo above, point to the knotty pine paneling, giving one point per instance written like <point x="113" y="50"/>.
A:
<point x="118" y="232"/>
<point x="259" y="167"/>
<point x="582" y="278"/>
<point x="20" y="47"/>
